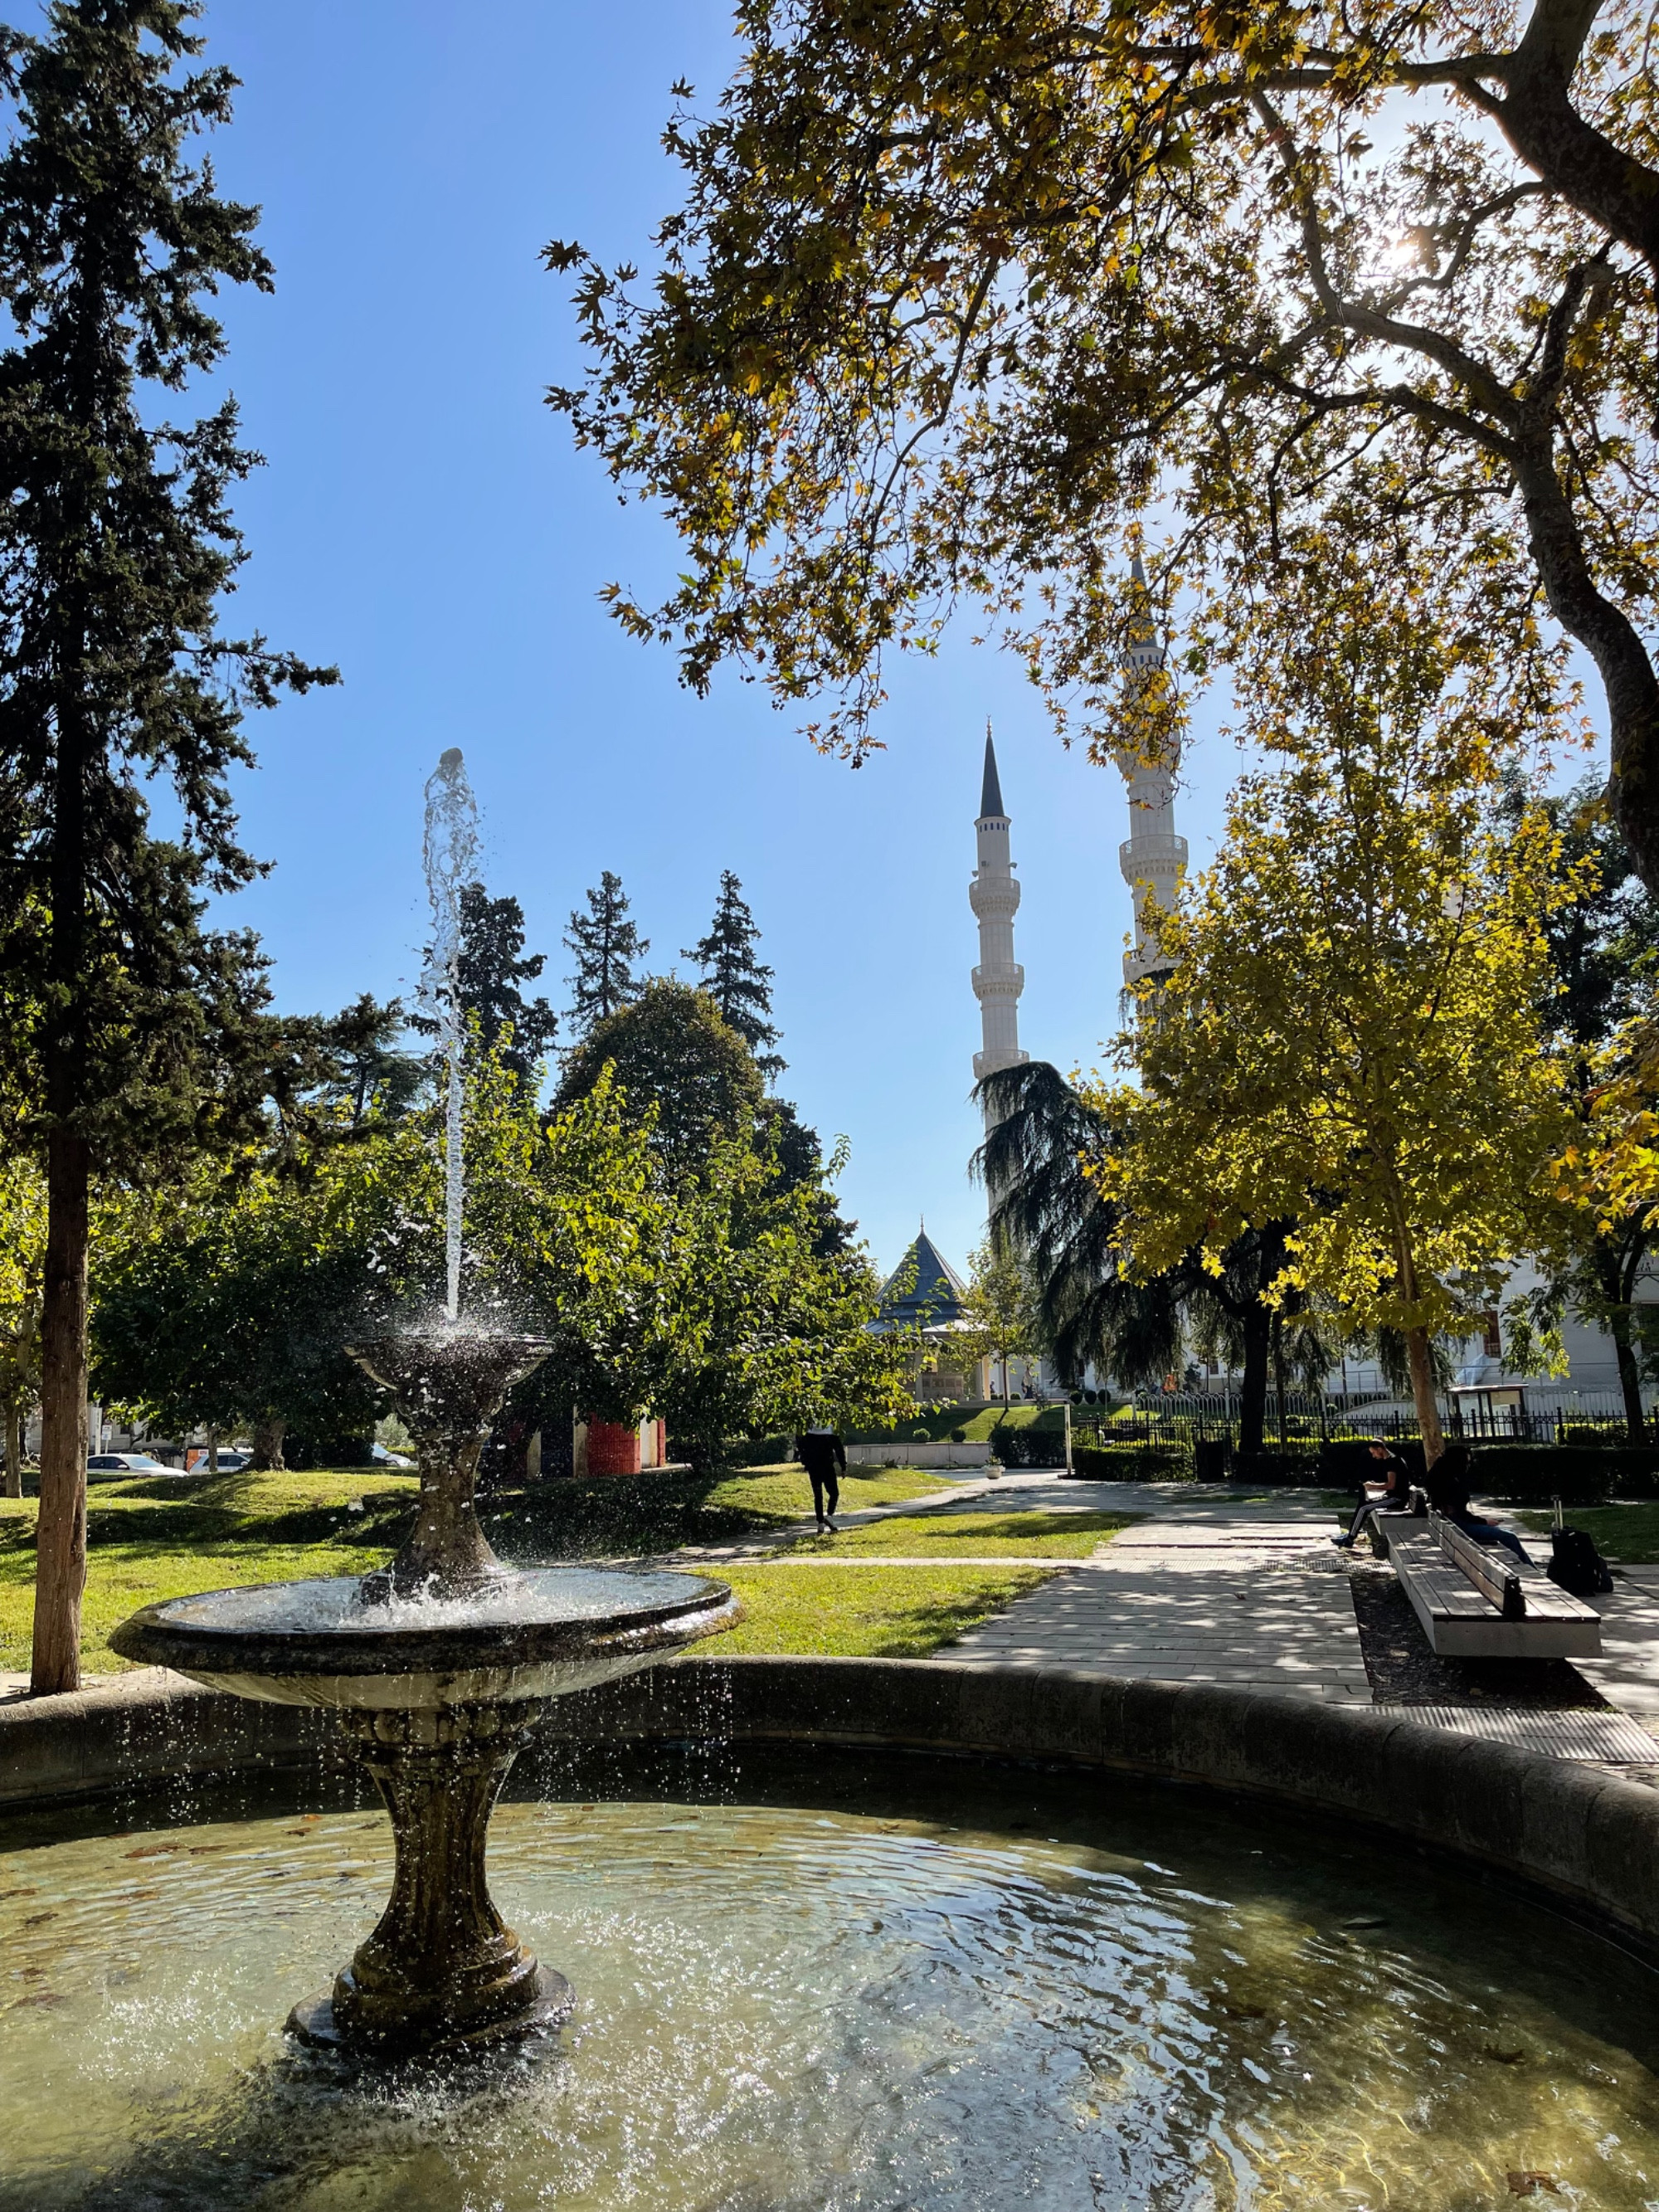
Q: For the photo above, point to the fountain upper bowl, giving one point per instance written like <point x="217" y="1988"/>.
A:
<point x="539" y="1633"/>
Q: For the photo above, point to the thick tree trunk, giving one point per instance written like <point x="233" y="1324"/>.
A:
<point x="1256" y="1324"/>
<point x="60" y="1570"/>
<point x="268" y="1444"/>
<point x="1613" y="644"/>
<point x="1630" y="1376"/>
<point x="1428" y="1413"/>
<point x="1279" y="1374"/>
<point x="14" y="1448"/>
<point x="1590" y="172"/>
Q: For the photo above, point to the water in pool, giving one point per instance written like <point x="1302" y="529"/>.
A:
<point x="806" y="1986"/>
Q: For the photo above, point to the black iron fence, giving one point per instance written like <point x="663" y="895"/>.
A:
<point x="1309" y="1423"/>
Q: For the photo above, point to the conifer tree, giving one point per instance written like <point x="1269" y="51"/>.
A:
<point x="491" y="972"/>
<point x="606" y="946"/>
<point x="128" y="1029"/>
<point x="739" y="985"/>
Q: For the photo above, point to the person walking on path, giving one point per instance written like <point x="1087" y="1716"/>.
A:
<point x="1394" y="1496"/>
<point x="823" y="1455"/>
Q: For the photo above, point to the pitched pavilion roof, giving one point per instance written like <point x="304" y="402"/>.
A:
<point x="990" y="797"/>
<point x="924" y="1288"/>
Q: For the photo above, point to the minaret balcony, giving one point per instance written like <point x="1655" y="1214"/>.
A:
<point x="988" y="1063"/>
<point x="1154" y="855"/>
<point x="999" y="983"/>
<point x="994" y="897"/>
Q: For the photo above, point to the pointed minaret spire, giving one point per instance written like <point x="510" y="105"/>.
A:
<point x="1152" y="857"/>
<point x="993" y="895"/>
<point x="990" y="797"/>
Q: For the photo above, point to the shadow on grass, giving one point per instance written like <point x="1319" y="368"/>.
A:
<point x="620" y="1516"/>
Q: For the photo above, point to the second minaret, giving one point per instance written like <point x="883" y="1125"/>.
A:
<point x="993" y="895"/>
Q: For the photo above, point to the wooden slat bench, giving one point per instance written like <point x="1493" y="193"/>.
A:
<point x="1475" y="1603"/>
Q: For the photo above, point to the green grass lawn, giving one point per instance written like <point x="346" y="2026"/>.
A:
<point x="869" y="1612"/>
<point x="940" y="1423"/>
<point x="621" y="1517"/>
<point x="998" y="1535"/>
<point x="1629" y="1533"/>
<point x="158" y="1537"/>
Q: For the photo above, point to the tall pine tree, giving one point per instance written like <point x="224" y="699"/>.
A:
<point x="491" y="972"/>
<point x="739" y="985"/>
<point x="128" y="1029"/>
<point x="606" y="946"/>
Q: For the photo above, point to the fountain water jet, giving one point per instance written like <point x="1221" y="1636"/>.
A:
<point x="441" y="1665"/>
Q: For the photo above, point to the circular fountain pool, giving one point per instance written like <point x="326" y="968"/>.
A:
<point x="832" y="1982"/>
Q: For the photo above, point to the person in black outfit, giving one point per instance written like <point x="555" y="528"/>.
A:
<point x="823" y="1455"/>
<point x="1449" y="1495"/>
<point x="1394" y="1497"/>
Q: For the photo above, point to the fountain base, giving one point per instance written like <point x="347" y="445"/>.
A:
<point x="548" y="2005"/>
<point x="442" y="1970"/>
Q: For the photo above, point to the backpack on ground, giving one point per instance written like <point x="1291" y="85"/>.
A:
<point x="1576" y="1565"/>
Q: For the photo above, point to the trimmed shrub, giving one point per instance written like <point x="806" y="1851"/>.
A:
<point x="1579" y="1475"/>
<point x="753" y="1451"/>
<point x="1346" y="1462"/>
<point x="1031" y="1447"/>
<point x="1165" y="1462"/>
<point x="1276" y="1467"/>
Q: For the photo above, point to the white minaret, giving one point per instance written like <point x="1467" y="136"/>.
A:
<point x="1152" y="857"/>
<point x="995" y="896"/>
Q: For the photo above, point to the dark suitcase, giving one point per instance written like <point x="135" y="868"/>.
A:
<point x="1576" y="1565"/>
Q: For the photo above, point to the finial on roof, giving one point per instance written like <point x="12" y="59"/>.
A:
<point x="990" y="797"/>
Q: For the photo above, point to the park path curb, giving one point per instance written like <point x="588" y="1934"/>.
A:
<point x="1582" y="1835"/>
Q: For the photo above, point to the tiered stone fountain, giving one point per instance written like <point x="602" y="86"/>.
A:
<point x="441" y="1665"/>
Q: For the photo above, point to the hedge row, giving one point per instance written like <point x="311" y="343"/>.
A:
<point x="1579" y="1475"/>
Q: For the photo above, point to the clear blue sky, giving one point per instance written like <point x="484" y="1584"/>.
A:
<point x="424" y="522"/>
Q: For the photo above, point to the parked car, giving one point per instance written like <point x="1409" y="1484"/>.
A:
<point x="382" y="1457"/>
<point x="230" y="1463"/>
<point x="127" y="1463"/>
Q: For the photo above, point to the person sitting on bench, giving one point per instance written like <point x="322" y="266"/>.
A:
<point x="1448" y="1487"/>
<point x="1392" y="1494"/>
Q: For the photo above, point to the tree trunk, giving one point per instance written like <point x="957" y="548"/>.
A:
<point x="268" y="1435"/>
<point x="1256" y="1324"/>
<point x="213" y="1451"/>
<point x="1278" y="1326"/>
<point x="1613" y="642"/>
<point x="1428" y="1413"/>
<point x="60" y="1570"/>
<point x="1630" y="1376"/>
<point x="14" y="1448"/>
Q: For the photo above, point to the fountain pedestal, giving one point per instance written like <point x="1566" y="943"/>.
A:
<point x="441" y="1969"/>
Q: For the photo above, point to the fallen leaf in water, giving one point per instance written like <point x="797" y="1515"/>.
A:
<point x="34" y="1974"/>
<point x="38" y="1919"/>
<point x="153" y="1851"/>
<point x="1245" y="2012"/>
<point x="16" y="1893"/>
<point x="1528" y="2185"/>
<point x="1505" y="2057"/>
<point x="40" y="1998"/>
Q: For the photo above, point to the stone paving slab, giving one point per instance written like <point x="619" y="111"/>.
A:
<point x="1627" y="1672"/>
<point x="1290" y="1634"/>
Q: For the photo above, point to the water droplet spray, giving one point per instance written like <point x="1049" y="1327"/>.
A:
<point x="451" y="855"/>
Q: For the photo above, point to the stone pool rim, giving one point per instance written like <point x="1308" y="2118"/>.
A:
<point x="1579" y="1836"/>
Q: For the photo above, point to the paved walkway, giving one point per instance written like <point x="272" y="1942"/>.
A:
<point x="1220" y="1586"/>
<point x="1257" y="1599"/>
